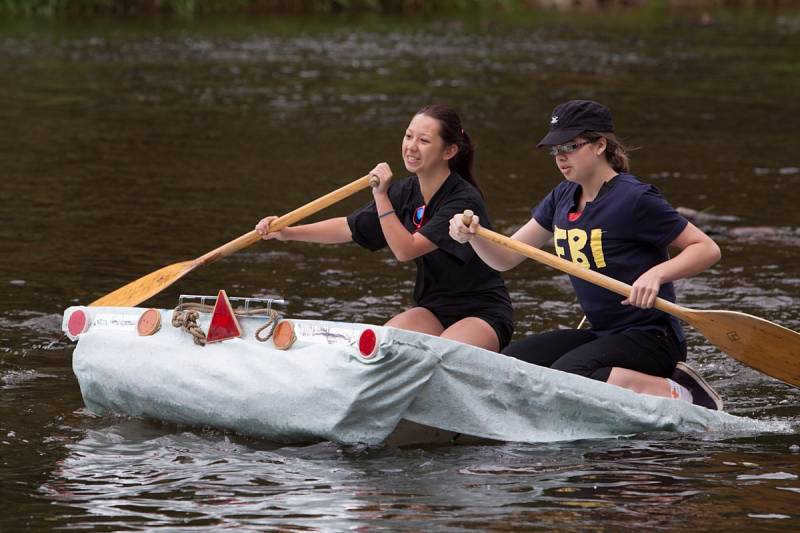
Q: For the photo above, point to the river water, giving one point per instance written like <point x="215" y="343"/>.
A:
<point x="125" y="147"/>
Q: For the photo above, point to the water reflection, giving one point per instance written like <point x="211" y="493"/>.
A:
<point x="140" y="476"/>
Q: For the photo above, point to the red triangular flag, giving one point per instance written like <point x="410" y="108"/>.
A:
<point x="223" y="324"/>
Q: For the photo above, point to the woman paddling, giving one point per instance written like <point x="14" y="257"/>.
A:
<point x="603" y="218"/>
<point x="456" y="295"/>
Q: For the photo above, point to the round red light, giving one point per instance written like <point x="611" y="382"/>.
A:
<point x="367" y="343"/>
<point x="78" y="323"/>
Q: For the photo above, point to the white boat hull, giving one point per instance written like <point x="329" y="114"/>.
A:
<point x="322" y="388"/>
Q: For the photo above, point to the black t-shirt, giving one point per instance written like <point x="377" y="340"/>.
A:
<point x="622" y="234"/>
<point x="452" y="274"/>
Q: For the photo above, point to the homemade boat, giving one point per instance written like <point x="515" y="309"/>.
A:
<point x="315" y="380"/>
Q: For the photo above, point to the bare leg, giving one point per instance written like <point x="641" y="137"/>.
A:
<point x="417" y="319"/>
<point x="639" y="382"/>
<point x="474" y="331"/>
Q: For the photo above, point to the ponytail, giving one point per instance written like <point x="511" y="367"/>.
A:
<point x="616" y="152"/>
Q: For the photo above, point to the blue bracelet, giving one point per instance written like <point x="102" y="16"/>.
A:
<point x="387" y="213"/>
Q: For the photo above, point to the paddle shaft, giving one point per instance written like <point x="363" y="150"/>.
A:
<point x="569" y="267"/>
<point x="151" y="284"/>
<point x="288" y="219"/>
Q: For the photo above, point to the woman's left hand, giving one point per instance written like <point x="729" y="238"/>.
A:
<point x="644" y="290"/>
<point x="384" y="174"/>
<point x="460" y="232"/>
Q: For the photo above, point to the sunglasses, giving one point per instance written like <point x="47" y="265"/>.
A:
<point x="567" y="148"/>
<point x="419" y="217"/>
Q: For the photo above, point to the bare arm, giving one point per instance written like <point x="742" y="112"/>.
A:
<point x="404" y="245"/>
<point x="496" y="256"/>
<point x="698" y="252"/>
<point x="331" y="231"/>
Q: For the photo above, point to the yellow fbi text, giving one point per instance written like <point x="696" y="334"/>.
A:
<point x="577" y="240"/>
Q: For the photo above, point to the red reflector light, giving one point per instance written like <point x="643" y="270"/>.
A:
<point x="223" y="321"/>
<point x="78" y="323"/>
<point x="368" y="343"/>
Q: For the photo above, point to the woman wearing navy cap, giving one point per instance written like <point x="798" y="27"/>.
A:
<point x="456" y="295"/>
<point x="603" y="218"/>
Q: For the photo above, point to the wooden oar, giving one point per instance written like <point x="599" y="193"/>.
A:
<point x="143" y="288"/>
<point x="758" y="343"/>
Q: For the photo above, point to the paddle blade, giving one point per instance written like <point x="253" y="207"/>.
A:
<point x="758" y="343"/>
<point x="143" y="288"/>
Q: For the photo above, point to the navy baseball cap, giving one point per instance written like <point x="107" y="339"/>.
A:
<point x="572" y="118"/>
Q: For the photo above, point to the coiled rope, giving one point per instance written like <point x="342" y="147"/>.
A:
<point x="188" y="321"/>
<point x="272" y="321"/>
<point x="185" y="316"/>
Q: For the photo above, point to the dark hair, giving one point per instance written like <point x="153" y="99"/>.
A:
<point x="616" y="152"/>
<point x="452" y="132"/>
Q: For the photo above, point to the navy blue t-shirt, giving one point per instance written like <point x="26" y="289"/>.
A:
<point x="452" y="276"/>
<point x="622" y="234"/>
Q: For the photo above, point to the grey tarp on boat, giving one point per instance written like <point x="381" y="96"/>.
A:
<point x="323" y="388"/>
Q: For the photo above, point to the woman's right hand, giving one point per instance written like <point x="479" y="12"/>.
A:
<point x="461" y="232"/>
<point x="384" y="177"/>
<point x="262" y="228"/>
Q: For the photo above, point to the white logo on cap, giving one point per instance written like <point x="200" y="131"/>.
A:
<point x="553" y="119"/>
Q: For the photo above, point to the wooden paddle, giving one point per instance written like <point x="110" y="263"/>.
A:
<point x="143" y="288"/>
<point x="758" y="343"/>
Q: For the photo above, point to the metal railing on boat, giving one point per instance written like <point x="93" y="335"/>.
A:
<point x="245" y="305"/>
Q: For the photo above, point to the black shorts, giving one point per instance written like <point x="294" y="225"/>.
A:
<point x="497" y="315"/>
<point x="582" y="352"/>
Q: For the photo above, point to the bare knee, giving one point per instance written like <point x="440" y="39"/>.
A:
<point x="475" y="332"/>
<point x="417" y="319"/>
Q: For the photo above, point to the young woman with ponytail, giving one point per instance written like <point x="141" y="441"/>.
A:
<point x="603" y="218"/>
<point x="456" y="295"/>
